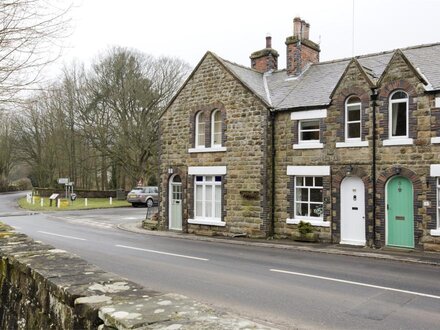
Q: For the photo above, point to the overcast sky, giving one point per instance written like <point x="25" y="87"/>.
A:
<point x="233" y="29"/>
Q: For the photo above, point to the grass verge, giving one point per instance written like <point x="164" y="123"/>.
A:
<point x="78" y="204"/>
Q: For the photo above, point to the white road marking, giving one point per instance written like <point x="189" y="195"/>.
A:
<point x="356" y="283"/>
<point x="65" y="236"/>
<point x="160" y="252"/>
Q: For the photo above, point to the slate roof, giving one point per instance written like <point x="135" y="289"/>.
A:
<point x="314" y="86"/>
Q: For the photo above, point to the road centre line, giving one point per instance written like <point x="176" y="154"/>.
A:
<point x="356" y="283"/>
<point x="160" y="252"/>
<point x="64" y="236"/>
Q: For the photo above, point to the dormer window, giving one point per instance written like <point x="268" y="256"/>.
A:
<point x="216" y="128"/>
<point x="398" y="113"/>
<point x="200" y="130"/>
<point x="353" y="124"/>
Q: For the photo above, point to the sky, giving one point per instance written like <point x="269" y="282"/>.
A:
<point x="233" y="29"/>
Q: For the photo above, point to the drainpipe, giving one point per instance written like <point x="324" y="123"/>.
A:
<point x="373" y="99"/>
<point x="272" y="216"/>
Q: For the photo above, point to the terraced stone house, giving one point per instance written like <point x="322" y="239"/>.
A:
<point x="351" y="146"/>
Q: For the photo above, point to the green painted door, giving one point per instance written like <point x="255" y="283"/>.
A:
<point x="400" y="212"/>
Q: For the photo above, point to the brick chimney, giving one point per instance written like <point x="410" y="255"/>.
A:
<point x="266" y="59"/>
<point x="300" y="50"/>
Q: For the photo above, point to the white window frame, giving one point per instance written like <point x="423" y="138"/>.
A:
<point x="213" y="131"/>
<point x="436" y="232"/>
<point x="390" y="115"/>
<point x="308" y="217"/>
<point x="347" y="122"/>
<point x="204" y="219"/>
<point x="434" y="171"/>
<point x="308" y="115"/>
<point x="314" y="171"/>
<point x="197" y="143"/>
<point x="207" y="171"/>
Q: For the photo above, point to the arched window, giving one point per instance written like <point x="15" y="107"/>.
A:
<point x="353" y="121"/>
<point x="200" y="130"/>
<point x="398" y="115"/>
<point x="216" y="129"/>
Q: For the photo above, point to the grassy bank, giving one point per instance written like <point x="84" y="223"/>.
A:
<point x="78" y="204"/>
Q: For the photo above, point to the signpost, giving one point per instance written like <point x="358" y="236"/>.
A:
<point x="53" y="197"/>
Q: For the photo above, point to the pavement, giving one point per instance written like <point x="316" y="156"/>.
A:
<point x="402" y="255"/>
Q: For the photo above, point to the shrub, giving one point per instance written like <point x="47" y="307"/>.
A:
<point x="305" y="228"/>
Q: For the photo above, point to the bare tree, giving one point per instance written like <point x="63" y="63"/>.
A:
<point x="7" y="142"/>
<point x="30" y="31"/>
<point x="128" y="91"/>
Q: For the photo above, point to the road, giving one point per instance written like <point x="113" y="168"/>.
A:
<point x="286" y="288"/>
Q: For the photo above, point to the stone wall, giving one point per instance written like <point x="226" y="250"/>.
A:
<point x="245" y="121"/>
<point x="45" y="288"/>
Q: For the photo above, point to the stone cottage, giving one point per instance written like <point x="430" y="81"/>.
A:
<point x="351" y="146"/>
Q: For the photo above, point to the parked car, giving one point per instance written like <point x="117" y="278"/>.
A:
<point x="147" y="196"/>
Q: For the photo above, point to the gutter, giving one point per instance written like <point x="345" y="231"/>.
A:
<point x="272" y="213"/>
<point x="373" y="99"/>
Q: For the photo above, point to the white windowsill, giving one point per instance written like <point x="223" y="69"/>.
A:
<point x="435" y="140"/>
<point x="308" y="146"/>
<point x="435" y="232"/>
<point x="206" y="222"/>
<point x="213" y="149"/>
<point x="317" y="223"/>
<point x="398" y="142"/>
<point x="352" y="144"/>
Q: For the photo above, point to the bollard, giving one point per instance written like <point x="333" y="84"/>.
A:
<point x="111" y="200"/>
<point x="33" y="200"/>
<point x="58" y="202"/>
<point x="85" y="201"/>
<point x="42" y="202"/>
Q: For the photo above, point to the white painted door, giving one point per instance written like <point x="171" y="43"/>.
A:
<point x="352" y="211"/>
<point x="175" y="196"/>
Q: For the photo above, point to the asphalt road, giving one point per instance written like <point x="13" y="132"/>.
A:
<point x="286" y="288"/>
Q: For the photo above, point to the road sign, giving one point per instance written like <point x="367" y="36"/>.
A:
<point x="63" y="180"/>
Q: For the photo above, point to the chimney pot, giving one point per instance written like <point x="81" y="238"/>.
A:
<point x="300" y="50"/>
<point x="268" y="42"/>
<point x="297" y="27"/>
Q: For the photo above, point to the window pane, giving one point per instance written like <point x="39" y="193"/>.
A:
<point x="354" y="130"/>
<point x="399" y="95"/>
<point x="218" y="201"/>
<point x="299" y="180"/>
<point x="309" y="124"/>
<point x="208" y="178"/>
<point x="199" y="178"/>
<point x="315" y="210"/>
<point x="199" y="201"/>
<point x="303" y="194"/>
<point x="302" y="209"/>
<point x="316" y="195"/>
<point x="308" y="136"/>
<point x="354" y="113"/>
<point x="309" y="181"/>
<point x="200" y="130"/>
<point x="318" y="181"/>
<point x="353" y="99"/>
<point x="399" y="119"/>
<point x="208" y="201"/>
<point x="218" y="179"/>
<point x="217" y="139"/>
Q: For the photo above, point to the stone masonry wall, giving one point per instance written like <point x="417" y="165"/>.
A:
<point x="45" y="288"/>
<point x="412" y="161"/>
<point x="244" y="206"/>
